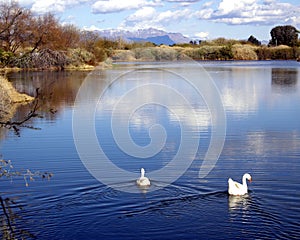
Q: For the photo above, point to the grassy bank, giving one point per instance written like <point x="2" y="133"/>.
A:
<point x="10" y="99"/>
<point x="81" y="59"/>
<point x="207" y="52"/>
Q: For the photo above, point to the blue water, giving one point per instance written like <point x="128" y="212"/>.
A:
<point x="262" y="106"/>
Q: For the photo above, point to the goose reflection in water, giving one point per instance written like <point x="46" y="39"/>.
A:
<point x="238" y="202"/>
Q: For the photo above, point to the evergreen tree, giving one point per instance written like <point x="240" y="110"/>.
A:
<point x="284" y="35"/>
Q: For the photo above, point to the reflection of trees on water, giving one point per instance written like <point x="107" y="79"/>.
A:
<point x="284" y="76"/>
<point x="57" y="89"/>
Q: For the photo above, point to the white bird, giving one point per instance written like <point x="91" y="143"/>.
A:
<point x="143" y="181"/>
<point x="235" y="188"/>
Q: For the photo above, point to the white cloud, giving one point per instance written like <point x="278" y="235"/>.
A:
<point x="154" y="19"/>
<point x="111" y="6"/>
<point x="92" y="28"/>
<point x="231" y="6"/>
<point x="205" y="13"/>
<point x="173" y="16"/>
<point x="207" y="4"/>
<point x="26" y="2"/>
<point x="48" y="6"/>
<point x="182" y="1"/>
<point x="202" y="35"/>
<point x="41" y="7"/>
<point x="237" y="12"/>
<point x="145" y="13"/>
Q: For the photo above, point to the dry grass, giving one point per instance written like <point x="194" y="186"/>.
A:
<point x="244" y="52"/>
<point x="10" y="99"/>
<point x="235" y="51"/>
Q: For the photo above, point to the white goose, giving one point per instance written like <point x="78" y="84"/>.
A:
<point x="143" y="181"/>
<point x="235" y="188"/>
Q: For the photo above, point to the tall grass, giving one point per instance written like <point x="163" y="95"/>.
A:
<point x="230" y="51"/>
<point x="244" y="52"/>
<point x="277" y="53"/>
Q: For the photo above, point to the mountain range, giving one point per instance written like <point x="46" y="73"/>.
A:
<point x="153" y="35"/>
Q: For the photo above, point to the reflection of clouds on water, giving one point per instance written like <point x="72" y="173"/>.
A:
<point x="146" y="115"/>
<point x="248" y="90"/>
<point x="262" y="143"/>
<point x="242" y="94"/>
<point x="200" y="115"/>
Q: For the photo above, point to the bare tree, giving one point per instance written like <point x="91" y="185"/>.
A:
<point x="70" y="37"/>
<point x="14" y="26"/>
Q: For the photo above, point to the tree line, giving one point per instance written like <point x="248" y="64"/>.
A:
<point x="30" y="41"/>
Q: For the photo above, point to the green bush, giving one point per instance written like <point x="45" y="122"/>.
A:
<point x="207" y="52"/>
<point x="79" y="56"/>
<point x="5" y="57"/>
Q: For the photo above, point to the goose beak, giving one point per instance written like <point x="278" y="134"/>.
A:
<point x="250" y="180"/>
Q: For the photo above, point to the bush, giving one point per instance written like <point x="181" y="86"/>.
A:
<point x="277" y="53"/>
<point x="43" y="59"/>
<point x="123" y="55"/>
<point x="244" y="52"/>
<point x="5" y="57"/>
<point x="80" y="56"/>
<point x="207" y="52"/>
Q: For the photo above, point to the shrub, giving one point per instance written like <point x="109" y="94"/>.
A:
<point x="79" y="56"/>
<point x="43" y="59"/>
<point x="123" y="55"/>
<point x="244" y="52"/>
<point x="5" y="57"/>
<point x="281" y="52"/>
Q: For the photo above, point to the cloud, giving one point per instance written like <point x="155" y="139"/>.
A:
<point x="92" y="28"/>
<point x="143" y="14"/>
<point x="239" y="12"/>
<point x="112" y="6"/>
<point x="205" y="13"/>
<point x="207" y="4"/>
<point x="26" y="2"/>
<point x="41" y="7"/>
<point x="182" y="1"/>
<point x="202" y="35"/>
<point x="148" y="17"/>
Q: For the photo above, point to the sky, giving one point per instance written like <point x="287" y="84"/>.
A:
<point x="196" y="19"/>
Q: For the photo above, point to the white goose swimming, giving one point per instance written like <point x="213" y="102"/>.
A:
<point x="235" y="188"/>
<point x="143" y="181"/>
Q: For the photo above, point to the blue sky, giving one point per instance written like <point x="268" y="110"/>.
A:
<point x="201" y="19"/>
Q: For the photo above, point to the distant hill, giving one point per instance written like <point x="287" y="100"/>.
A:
<point x="150" y="34"/>
<point x="166" y="40"/>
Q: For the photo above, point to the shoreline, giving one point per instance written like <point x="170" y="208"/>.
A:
<point x="104" y="65"/>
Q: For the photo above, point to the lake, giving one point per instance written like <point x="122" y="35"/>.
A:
<point x="190" y="125"/>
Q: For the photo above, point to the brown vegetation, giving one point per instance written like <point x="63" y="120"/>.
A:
<point x="10" y="99"/>
<point x="207" y="52"/>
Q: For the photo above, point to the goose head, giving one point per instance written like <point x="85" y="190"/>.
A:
<point x="248" y="177"/>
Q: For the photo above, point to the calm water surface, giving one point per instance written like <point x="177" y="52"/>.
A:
<point x="262" y="106"/>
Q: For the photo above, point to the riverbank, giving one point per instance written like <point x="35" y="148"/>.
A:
<point x="224" y="52"/>
<point x="82" y="60"/>
<point x="10" y="99"/>
<point x="208" y="52"/>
